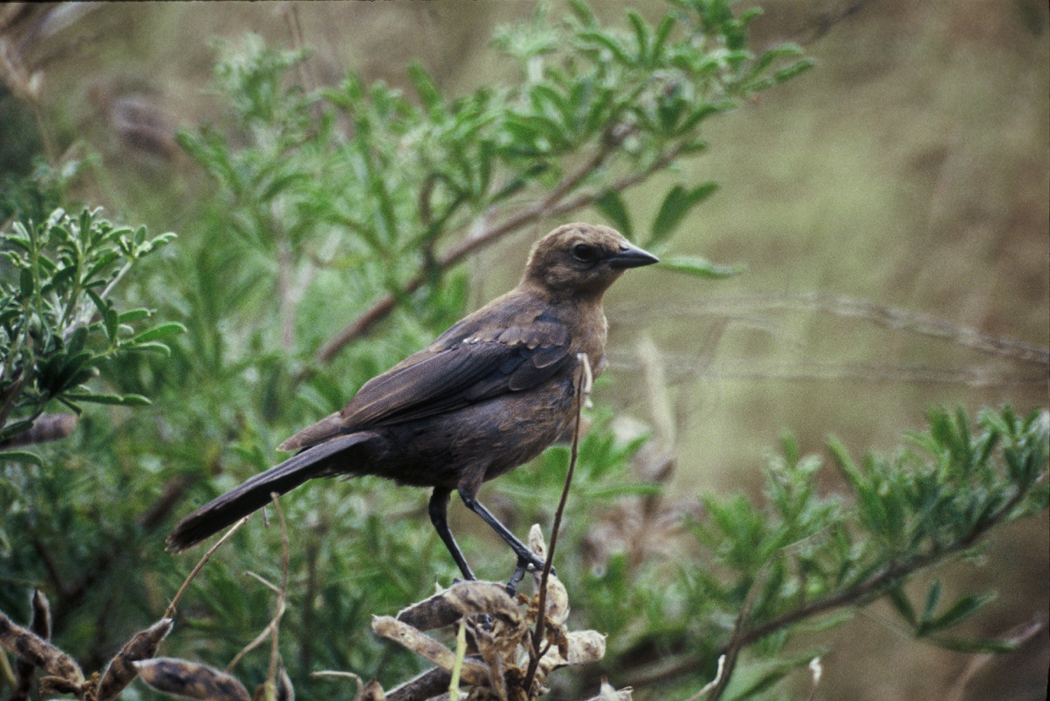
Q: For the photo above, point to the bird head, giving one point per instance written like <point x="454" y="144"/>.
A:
<point x="582" y="260"/>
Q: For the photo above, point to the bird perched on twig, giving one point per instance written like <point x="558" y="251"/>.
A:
<point x="486" y="396"/>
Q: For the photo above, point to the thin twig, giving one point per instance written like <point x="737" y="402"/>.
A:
<point x="727" y="660"/>
<point x="816" y="670"/>
<point x="200" y="565"/>
<point x="858" y="594"/>
<point x="263" y="581"/>
<point x="583" y="389"/>
<point x="281" y="595"/>
<point x="713" y="683"/>
<point x="550" y="206"/>
<point x="877" y="585"/>
<point x="342" y="675"/>
<point x="1016" y="636"/>
<point x="271" y="629"/>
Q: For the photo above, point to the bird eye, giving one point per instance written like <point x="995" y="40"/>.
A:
<point x="583" y="252"/>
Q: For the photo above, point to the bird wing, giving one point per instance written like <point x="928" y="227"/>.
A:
<point x="457" y="370"/>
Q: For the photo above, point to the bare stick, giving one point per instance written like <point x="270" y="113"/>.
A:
<point x="551" y="205"/>
<point x="200" y="565"/>
<point x="271" y="629"/>
<point x="583" y="390"/>
<point x="713" y="683"/>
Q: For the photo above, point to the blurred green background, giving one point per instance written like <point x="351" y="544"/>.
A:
<point x="891" y="207"/>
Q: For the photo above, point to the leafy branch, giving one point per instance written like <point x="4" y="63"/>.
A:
<point x="804" y="556"/>
<point x="58" y="323"/>
<point x="412" y="185"/>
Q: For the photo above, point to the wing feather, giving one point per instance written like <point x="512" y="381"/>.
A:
<point x="465" y="373"/>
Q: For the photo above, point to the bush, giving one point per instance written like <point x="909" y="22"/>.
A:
<point x="360" y="203"/>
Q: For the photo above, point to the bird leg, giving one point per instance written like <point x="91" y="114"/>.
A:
<point x="438" y="509"/>
<point x="515" y="577"/>
<point x="526" y="558"/>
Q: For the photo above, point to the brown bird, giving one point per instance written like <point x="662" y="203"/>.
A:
<point x="490" y="394"/>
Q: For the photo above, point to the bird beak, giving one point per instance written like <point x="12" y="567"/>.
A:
<point x="631" y="257"/>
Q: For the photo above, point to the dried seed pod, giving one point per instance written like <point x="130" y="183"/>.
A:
<point x="427" y="685"/>
<point x="557" y="600"/>
<point x="496" y="653"/>
<point x="191" y="680"/>
<point x="285" y="690"/>
<point x="536" y="542"/>
<point x="31" y="648"/>
<point x="577" y="647"/>
<point x="461" y="599"/>
<point x="374" y="692"/>
<point x="428" y="648"/>
<point x="608" y="693"/>
<point x="585" y="646"/>
<point x="46" y="428"/>
<point x="41" y="625"/>
<point x="142" y="646"/>
<point x="59" y="685"/>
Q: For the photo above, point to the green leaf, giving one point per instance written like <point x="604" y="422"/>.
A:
<point x="700" y="267"/>
<point x="641" y="36"/>
<point x="606" y="42"/>
<point x="160" y="331"/>
<point x="148" y="347"/>
<point x="675" y="207"/>
<point x="933" y="597"/>
<point x="76" y="368"/>
<point x="77" y="340"/>
<point x="109" y="315"/>
<point x="612" y="206"/>
<point x="583" y="12"/>
<point x="21" y="456"/>
<point x="765" y="675"/>
<point x="900" y="601"/>
<point x="25" y="283"/>
<point x="662" y="32"/>
<point x="112" y="399"/>
<point x="281" y="183"/>
<point x="104" y="261"/>
<point x="958" y="612"/>
<point x="133" y="315"/>
<point x="796" y="69"/>
<point x="425" y="87"/>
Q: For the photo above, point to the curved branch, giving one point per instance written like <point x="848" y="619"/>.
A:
<point x="552" y="205"/>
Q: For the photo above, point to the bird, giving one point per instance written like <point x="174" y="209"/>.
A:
<point x="486" y="396"/>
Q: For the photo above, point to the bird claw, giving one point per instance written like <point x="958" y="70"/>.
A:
<point x="517" y="576"/>
<point x="531" y="565"/>
<point x="537" y="565"/>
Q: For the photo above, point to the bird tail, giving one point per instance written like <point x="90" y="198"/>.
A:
<point x="321" y="460"/>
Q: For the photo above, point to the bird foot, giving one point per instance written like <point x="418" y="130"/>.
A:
<point x="519" y="574"/>
<point x="530" y="565"/>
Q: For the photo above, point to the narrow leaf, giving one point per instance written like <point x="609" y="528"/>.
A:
<point x="641" y="35"/>
<point x="933" y="597"/>
<point x="133" y="315"/>
<point x="675" y="207"/>
<point x="148" y="347"/>
<point x="612" y="206"/>
<point x="903" y="605"/>
<point x="21" y="456"/>
<point x="113" y="399"/>
<point x="159" y="331"/>
<point x="958" y="612"/>
<point x="794" y="70"/>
